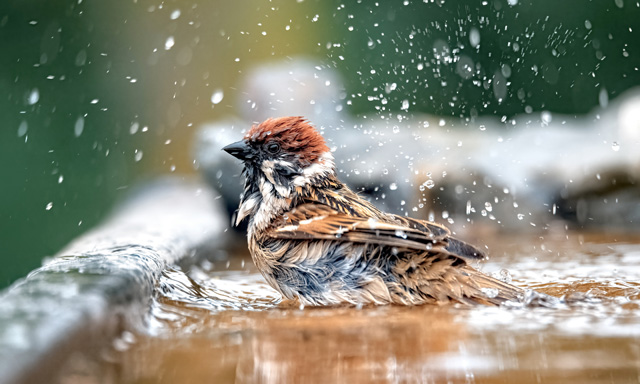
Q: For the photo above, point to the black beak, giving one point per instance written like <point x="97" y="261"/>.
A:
<point x="239" y="149"/>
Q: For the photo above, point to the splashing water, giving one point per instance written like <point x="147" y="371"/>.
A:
<point x="220" y="316"/>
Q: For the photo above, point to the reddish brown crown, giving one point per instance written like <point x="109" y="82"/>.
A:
<point x="294" y="134"/>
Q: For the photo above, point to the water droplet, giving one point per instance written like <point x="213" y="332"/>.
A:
<point x="520" y="216"/>
<point x="49" y="206"/>
<point x="393" y="186"/>
<point x="169" y="43"/>
<point x="138" y="155"/>
<point x="401" y="234"/>
<point x="619" y="3"/>
<point x="474" y="37"/>
<point x="615" y="146"/>
<point x="175" y="14"/>
<point x="405" y="105"/>
<point x="546" y="117"/>
<point x="603" y="98"/>
<point x="482" y="127"/>
<point x="429" y="184"/>
<point x="490" y="292"/>
<point x="22" y="128"/>
<point x="134" y="127"/>
<point x="81" y="58"/>
<point x="505" y="276"/>
<point x="79" y="126"/>
<point x="60" y="179"/>
<point x="34" y="96"/>
<point x="395" y="129"/>
<point x="499" y="86"/>
<point x="217" y="96"/>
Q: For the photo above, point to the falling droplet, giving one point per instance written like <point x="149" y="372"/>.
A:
<point x="138" y="155"/>
<point x="134" y="127"/>
<point x="169" y="43"/>
<point x="34" y="96"/>
<point x="60" y="179"/>
<point x="615" y="146"/>
<point x="474" y="37"/>
<point x="49" y="206"/>
<point x="393" y="186"/>
<point x="520" y="216"/>
<point x="217" y="96"/>
<point x="22" y="128"/>
<point x="79" y="126"/>
<point x="603" y="98"/>
<point x="429" y="184"/>
<point x="175" y="14"/>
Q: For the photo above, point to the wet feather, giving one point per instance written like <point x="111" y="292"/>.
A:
<point x="315" y="240"/>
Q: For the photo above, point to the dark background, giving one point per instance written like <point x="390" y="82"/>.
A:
<point x="95" y="97"/>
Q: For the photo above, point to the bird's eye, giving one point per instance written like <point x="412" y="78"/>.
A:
<point x="273" y="148"/>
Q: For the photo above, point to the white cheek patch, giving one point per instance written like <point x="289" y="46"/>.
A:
<point x="268" y="168"/>
<point x="323" y="167"/>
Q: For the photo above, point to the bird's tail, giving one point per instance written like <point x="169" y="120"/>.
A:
<point x="493" y="291"/>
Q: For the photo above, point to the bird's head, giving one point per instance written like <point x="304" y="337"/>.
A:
<point x="288" y="151"/>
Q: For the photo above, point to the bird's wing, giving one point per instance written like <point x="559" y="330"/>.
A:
<point x="454" y="246"/>
<point x="317" y="221"/>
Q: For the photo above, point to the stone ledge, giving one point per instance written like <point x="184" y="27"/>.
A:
<point x="104" y="280"/>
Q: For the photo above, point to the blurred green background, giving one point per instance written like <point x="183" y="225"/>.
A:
<point x="98" y="94"/>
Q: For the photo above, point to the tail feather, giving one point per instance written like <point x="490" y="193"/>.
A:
<point x="494" y="290"/>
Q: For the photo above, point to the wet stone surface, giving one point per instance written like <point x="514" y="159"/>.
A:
<point x="217" y="321"/>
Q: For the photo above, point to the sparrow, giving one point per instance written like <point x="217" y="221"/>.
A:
<point x="315" y="240"/>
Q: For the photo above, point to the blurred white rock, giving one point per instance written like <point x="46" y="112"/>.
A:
<point x="527" y="173"/>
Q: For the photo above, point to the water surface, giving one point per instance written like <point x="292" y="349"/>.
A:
<point x="217" y="321"/>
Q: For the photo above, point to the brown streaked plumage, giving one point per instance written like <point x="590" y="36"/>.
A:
<point x="314" y="239"/>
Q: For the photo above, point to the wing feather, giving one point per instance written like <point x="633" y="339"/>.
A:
<point x="317" y="221"/>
